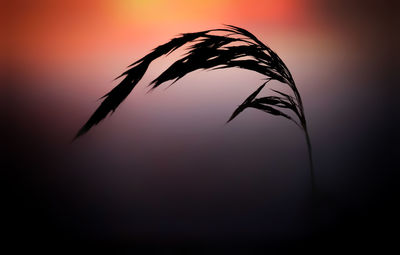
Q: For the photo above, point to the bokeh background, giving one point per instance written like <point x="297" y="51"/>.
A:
<point x="164" y="170"/>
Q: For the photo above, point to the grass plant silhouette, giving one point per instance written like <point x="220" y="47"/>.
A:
<point x="236" y="47"/>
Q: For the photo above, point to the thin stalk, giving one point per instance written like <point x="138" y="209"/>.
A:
<point x="313" y="185"/>
<point x="307" y="136"/>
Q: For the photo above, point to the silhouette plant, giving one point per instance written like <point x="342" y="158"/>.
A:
<point x="237" y="47"/>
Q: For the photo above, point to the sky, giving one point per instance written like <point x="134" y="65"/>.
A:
<point x="164" y="168"/>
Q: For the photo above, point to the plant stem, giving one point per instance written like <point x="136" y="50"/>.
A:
<point x="313" y="186"/>
<point x="304" y="126"/>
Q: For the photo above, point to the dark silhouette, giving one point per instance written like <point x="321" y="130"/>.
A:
<point x="237" y="48"/>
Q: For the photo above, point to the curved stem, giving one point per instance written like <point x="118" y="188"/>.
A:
<point x="313" y="185"/>
<point x="309" y="148"/>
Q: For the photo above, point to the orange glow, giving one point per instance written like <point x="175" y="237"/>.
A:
<point x="155" y="11"/>
<point x="64" y="32"/>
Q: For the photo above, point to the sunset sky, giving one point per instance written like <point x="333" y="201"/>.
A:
<point x="61" y="30"/>
<point x="165" y="167"/>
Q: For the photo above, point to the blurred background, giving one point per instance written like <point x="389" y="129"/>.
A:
<point x="164" y="170"/>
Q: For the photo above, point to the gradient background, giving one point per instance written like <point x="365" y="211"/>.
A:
<point x="164" y="170"/>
